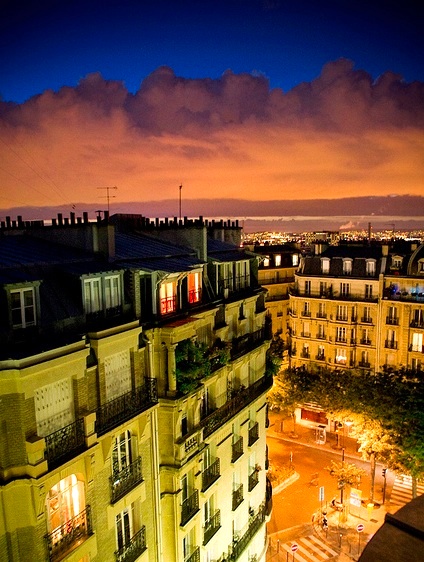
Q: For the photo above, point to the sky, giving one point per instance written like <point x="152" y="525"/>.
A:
<point x="256" y="100"/>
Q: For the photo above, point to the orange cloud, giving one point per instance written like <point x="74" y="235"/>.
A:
<point x="340" y="135"/>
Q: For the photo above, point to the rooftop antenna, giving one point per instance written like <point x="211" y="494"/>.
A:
<point x="181" y="187"/>
<point x="108" y="195"/>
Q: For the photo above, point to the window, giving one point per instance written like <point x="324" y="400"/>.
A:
<point x="367" y="314"/>
<point x="64" y="502"/>
<point x="112" y="291"/>
<point x="194" y="287"/>
<point x="127" y="525"/>
<point x="370" y="267"/>
<point x="345" y="289"/>
<point x="364" y="358"/>
<point x="184" y="425"/>
<point x="396" y="262"/>
<point x="242" y="274"/>
<point x="325" y="265"/>
<point x="306" y="308"/>
<point x="305" y="351"/>
<point x="321" y="332"/>
<point x="117" y="374"/>
<point x="295" y="260"/>
<point x="321" y="310"/>
<point x="341" y="334"/>
<point x="54" y="407"/>
<point x="368" y="291"/>
<point x="307" y="287"/>
<point x="266" y="261"/>
<point x="392" y="316"/>
<point x="391" y="339"/>
<point x="92" y="295"/>
<point x="323" y="288"/>
<point x="121" y="452"/>
<point x="321" y="353"/>
<point x="341" y="356"/>
<point x="167" y="297"/>
<point x="306" y="329"/>
<point x="347" y="266"/>
<point x="341" y="312"/>
<point x="277" y="260"/>
<point x="23" y="307"/>
<point x="366" y="337"/>
<point x="417" y="342"/>
<point x="417" y="318"/>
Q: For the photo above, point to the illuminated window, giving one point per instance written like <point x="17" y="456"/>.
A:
<point x="167" y="297"/>
<point x="266" y="261"/>
<point x="127" y="524"/>
<point x="370" y="267"/>
<point x="65" y="503"/>
<point x="54" y="407"/>
<point x="341" y="333"/>
<point x="347" y="266"/>
<point x="121" y="452"/>
<point x="295" y="260"/>
<point x="341" y="356"/>
<point x="23" y="307"/>
<point x="194" y="287"/>
<point x="325" y="265"/>
<point x="112" y="291"/>
<point x="277" y="260"/>
<point x="417" y="342"/>
<point x="396" y="262"/>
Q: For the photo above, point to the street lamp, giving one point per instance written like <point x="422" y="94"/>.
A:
<point x="347" y="424"/>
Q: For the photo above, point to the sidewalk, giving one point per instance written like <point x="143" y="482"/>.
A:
<point x="341" y="536"/>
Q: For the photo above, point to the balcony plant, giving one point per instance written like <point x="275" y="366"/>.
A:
<point x="192" y="364"/>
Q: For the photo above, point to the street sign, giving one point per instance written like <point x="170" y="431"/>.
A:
<point x="321" y="493"/>
<point x="294" y="547"/>
<point x="360" y="528"/>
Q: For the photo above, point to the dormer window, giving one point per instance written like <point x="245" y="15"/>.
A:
<point x="102" y="292"/>
<point x="295" y="260"/>
<point x="421" y="266"/>
<point x="277" y="260"/>
<point x="325" y="265"/>
<point x="370" y="267"/>
<point x="396" y="262"/>
<point x="23" y="307"/>
<point x="266" y="261"/>
<point x="242" y="274"/>
<point x="194" y="282"/>
<point x="347" y="266"/>
<point x="167" y="297"/>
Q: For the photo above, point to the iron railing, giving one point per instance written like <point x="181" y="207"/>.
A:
<point x="211" y="526"/>
<point x="253" y="480"/>
<point x="253" y="433"/>
<point x="134" y="548"/>
<point x="233" y="406"/>
<point x="237" y="496"/>
<point x="237" y="449"/>
<point x="65" y="443"/>
<point x="194" y="556"/>
<point x="121" y="409"/>
<point x="210" y="474"/>
<point x="189" y="507"/>
<point x="63" y="538"/>
<point x="125" y="480"/>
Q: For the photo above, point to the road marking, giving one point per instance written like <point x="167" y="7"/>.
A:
<point x="402" y="490"/>
<point x="310" y="549"/>
<point x="322" y="544"/>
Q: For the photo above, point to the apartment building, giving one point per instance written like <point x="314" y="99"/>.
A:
<point x="358" y="307"/>
<point x="133" y="392"/>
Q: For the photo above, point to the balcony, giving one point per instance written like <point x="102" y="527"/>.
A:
<point x="125" y="480"/>
<point x="253" y="434"/>
<point x="237" y="496"/>
<point x="392" y="320"/>
<point x="121" y="409"/>
<point x="320" y="357"/>
<point x="321" y="315"/>
<point x="210" y="475"/>
<point x="341" y="318"/>
<point x="321" y="336"/>
<point x="390" y="344"/>
<point x="416" y="348"/>
<point x="135" y="547"/>
<point x="365" y="341"/>
<point x="189" y="507"/>
<point x="253" y="479"/>
<point x="194" y="556"/>
<point x="235" y="405"/>
<point x="246" y="535"/>
<point x="212" y="525"/>
<point x="364" y="364"/>
<point x="65" y="443"/>
<point x="366" y="320"/>
<point x="304" y="354"/>
<point x="249" y="342"/>
<point x="306" y="313"/>
<point x="417" y="323"/>
<point x="68" y="536"/>
<point x="237" y="449"/>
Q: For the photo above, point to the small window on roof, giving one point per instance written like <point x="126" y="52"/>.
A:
<point x="325" y="265"/>
<point x="277" y="259"/>
<point x="295" y="259"/>
<point x="347" y="266"/>
<point x="23" y="307"/>
<point x="396" y="262"/>
<point x="266" y="261"/>
<point x="370" y="267"/>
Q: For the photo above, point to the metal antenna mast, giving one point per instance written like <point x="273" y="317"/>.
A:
<point x="181" y="187"/>
<point x="108" y="196"/>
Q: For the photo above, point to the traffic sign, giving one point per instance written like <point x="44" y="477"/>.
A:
<point x="360" y="528"/>
<point x="294" y="547"/>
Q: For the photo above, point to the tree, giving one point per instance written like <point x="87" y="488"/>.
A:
<point x="346" y="474"/>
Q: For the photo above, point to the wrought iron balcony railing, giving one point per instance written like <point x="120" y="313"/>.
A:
<point x="233" y="406"/>
<point x="364" y="364"/>
<point x="211" y="526"/>
<point x="125" y="480"/>
<point x="63" y="538"/>
<point x="392" y="320"/>
<point x="194" y="556"/>
<point x="65" y="443"/>
<point x="247" y="535"/>
<point x="390" y="344"/>
<point x="237" y="496"/>
<point x="366" y="319"/>
<point x="237" y="449"/>
<point x="135" y="547"/>
<point x="121" y="409"/>
<point x="253" y="434"/>
<point x="248" y="342"/>
<point x="253" y="480"/>
<point x="189" y="507"/>
<point x="210" y="474"/>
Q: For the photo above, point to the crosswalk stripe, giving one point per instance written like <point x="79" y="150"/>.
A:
<point x="298" y="558"/>
<point x="311" y="546"/>
<point x="323" y="545"/>
<point x="310" y="555"/>
<point x="402" y="490"/>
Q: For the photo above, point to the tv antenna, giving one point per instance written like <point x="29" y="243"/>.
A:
<point x="180" y="188"/>
<point x="108" y="195"/>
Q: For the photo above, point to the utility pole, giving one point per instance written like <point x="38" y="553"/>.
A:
<point x="108" y="196"/>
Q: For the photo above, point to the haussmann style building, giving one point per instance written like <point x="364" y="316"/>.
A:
<point x="133" y="387"/>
